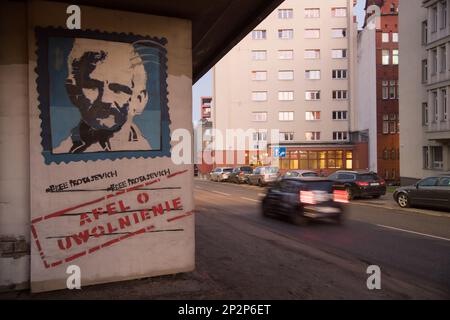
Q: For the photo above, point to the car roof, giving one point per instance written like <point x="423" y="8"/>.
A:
<point x="308" y="179"/>
<point x="356" y="171"/>
<point x="302" y="171"/>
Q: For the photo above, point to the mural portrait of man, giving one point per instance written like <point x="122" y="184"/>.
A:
<point x="107" y="99"/>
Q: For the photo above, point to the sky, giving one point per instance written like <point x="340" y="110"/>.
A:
<point x="203" y="87"/>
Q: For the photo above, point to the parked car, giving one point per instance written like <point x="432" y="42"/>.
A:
<point x="240" y="174"/>
<point x="300" y="174"/>
<point x="360" y="183"/>
<point x="195" y="170"/>
<point x="263" y="176"/>
<point x="220" y="174"/>
<point x="301" y="199"/>
<point x="432" y="192"/>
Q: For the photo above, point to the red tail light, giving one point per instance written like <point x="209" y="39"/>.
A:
<point x="382" y="182"/>
<point x="362" y="183"/>
<point x="340" y="196"/>
<point x="241" y="173"/>
<point x="307" y="197"/>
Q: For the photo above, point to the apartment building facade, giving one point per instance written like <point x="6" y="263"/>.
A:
<point x="294" y="73"/>
<point x="425" y="75"/>
<point x="377" y="87"/>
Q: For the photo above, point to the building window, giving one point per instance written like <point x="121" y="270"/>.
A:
<point x="339" y="74"/>
<point x="393" y="154"/>
<point x="424" y="71"/>
<point x="259" y="116"/>
<point x="339" y="53"/>
<point x="312" y="136"/>
<point x="338" y="12"/>
<point x="395" y="37"/>
<point x="259" y="55"/>
<point x="260" y="136"/>
<point x="285" y="13"/>
<point x="434" y="61"/>
<point x="339" y="115"/>
<point x="340" y="94"/>
<point x="424" y="114"/>
<point x="443" y="14"/>
<point x="393" y="123"/>
<point x="312" y="115"/>
<point x="338" y="33"/>
<point x="259" y="95"/>
<point x="259" y="34"/>
<point x="312" y="74"/>
<point x="312" y="95"/>
<point x="435" y="107"/>
<point x="312" y="13"/>
<point x="444" y="105"/>
<point x="385" y="37"/>
<point x="385" y="89"/>
<point x="286" y="136"/>
<point x="443" y="59"/>
<point x="285" y="95"/>
<point x="385" y="57"/>
<point x="392" y="89"/>
<point x="434" y="19"/>
<point x="385" y="154"/>
<point x="285" y="75"/>
<point x="340" y="136"/>
<point x="437" y="158"/>
<point x="285" y="54"/>
<point x="424" y="32"/>
<point x="395" y="57"/>
<point x="426" y="158"/>
<point x="312" y="54"/>
<point x="286" y="116"/>
<point x="312" y="33"/>
<point x="285" y="34"/>
<point x="259" y="75"/>
<point x="385" y="124"/>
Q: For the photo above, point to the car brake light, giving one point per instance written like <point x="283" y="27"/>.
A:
<point x="362" y="184"/>
<point x="382" y="182"/>
<point x="241" y="173"/>
<point x="340" y="196"/>
<point x="307" y="197"/>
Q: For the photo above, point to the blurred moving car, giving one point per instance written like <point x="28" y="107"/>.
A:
<point x="220" y="174"/>
<point x="262" y="176"/>
<point x="240" y="174"/>
<point x="360" y="183"/>
<point x="301" y="199"/>
<point x="432" y="192"/>
<point x="300" y="174"/>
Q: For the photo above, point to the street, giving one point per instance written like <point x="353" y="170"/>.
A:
<point x="242" y="255"/>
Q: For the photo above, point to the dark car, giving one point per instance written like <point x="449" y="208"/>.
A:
<point x="432" y="192"/>
<point x="301" y="199"/>
<point x="195" y="170"/>
<point x="240" y="174"/>
<point x="360" y="184"/>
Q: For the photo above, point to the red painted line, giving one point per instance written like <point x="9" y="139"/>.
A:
<point x="61" y="212"/>
<point x="75" y="256"/>
<point x="118" y="193"/>
<point x="33" y="231"/>
<point x="110" y="196"/>
<point x="46" y="265"/>
<point x="177" y="173"/>
<point x="94" y="249"/>
<point x="187" y="214"/>
<point x="36" y="220"/>
<point x="135" y="187"/>
<point x="57" y="263"/>
<point x="110" y="242"/>
<point x="38" y="245"/>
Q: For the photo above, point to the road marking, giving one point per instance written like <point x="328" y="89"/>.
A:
<point x="221" y="193"/>
<point x="249" y="199"/>
<point x="413" y="232"/>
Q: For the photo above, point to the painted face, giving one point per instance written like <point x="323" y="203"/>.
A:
<point x="102" y="88"/>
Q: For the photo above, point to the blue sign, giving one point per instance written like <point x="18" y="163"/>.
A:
<point x="279" y="152"/>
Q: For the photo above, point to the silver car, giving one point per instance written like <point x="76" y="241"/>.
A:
<point x="301" y="174"/>
<point x="263" y="176"/>
<point x="220" y="174"/>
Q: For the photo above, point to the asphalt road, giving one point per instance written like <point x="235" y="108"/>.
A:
<point x="242" y="255"/>
<point x="411" y="247"/>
